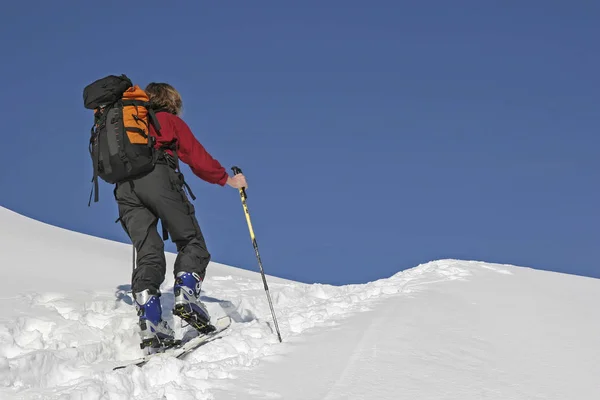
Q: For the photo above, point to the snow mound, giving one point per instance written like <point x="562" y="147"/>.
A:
<point x="444" y="329"/>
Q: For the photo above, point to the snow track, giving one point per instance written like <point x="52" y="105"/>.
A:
<point x="64" y="345"/>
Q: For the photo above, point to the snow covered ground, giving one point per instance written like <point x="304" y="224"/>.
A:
<point x="448" y="329"/>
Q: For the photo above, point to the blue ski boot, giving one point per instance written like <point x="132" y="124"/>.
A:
<point x="188" y="306"/>
<point x="154" y="331"/>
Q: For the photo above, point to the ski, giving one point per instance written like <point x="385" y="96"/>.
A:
<point x="181" y="349"/>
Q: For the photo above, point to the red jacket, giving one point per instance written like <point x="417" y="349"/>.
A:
<point x="189" y="149"/>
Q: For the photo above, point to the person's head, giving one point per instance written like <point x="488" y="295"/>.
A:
<point x="164" y="96"/>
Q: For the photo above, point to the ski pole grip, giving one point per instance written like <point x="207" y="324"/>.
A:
<point x="238" y="170"/>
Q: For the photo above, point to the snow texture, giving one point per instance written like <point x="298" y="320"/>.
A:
<point x="447" y="329"/>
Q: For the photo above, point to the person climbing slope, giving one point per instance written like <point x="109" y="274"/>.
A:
<point x="137" y="142"/>
<point x="160" y="195"/>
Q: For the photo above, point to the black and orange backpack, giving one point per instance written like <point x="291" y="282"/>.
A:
<point x="121" y="146"/>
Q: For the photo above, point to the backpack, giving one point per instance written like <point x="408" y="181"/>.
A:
<point x="121" y="146"/>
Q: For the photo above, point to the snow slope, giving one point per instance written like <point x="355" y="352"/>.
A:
<point x="448" y="329"/>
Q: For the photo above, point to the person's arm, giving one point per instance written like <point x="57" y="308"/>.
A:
<point x="191" y="152"/>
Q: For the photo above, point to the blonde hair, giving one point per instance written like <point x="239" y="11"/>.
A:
<point x="164" y="96"/>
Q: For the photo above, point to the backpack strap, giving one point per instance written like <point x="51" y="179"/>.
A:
<point x="173" y="161"/>
<point x="95" y="174"/>
<point x="165" y="232"/>
<point x="172" y="145"/>
<point x="154" y="120"/>
<point x="188" y="189"/>
<point x="160" y="153"/>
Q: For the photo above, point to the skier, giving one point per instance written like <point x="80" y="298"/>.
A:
<point x="160" y="195"/>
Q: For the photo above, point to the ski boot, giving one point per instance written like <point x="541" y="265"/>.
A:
<point x="188" y="306"/>
<point x="154" y="331"/>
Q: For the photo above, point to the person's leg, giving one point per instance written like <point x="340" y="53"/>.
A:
<point x="163" y="192"/>
<point x="140" y="225"/>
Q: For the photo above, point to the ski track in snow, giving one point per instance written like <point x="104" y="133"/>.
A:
<point x="499" y="333"/>
<point x="64" y="347"/>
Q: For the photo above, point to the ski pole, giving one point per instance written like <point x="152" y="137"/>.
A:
<point x="237" y="170"/>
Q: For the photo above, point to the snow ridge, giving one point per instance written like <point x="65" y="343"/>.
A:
<point x="481" y="330"/>
<point x="74" y="340"/>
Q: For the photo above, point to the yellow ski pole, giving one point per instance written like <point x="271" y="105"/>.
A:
<point x="237" y="170"/>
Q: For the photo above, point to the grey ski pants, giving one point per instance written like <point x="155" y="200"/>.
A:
<point x="142" y="202"/>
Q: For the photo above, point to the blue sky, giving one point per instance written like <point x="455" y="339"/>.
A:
<point x="374" y="135"/>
